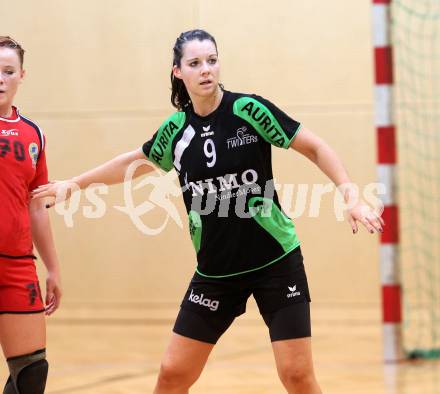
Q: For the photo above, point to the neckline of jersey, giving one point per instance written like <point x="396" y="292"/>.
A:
<point x="15" y="116"/>
<point x="213" y="113"/>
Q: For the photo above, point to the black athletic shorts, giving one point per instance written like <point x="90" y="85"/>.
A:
<point x="280" y="290"/>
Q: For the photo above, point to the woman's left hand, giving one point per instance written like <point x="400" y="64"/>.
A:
<point x="364" y="214"/>
<point x="53" y="292"/>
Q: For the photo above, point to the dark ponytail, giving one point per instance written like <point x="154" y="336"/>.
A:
<point x="179" y="95"/>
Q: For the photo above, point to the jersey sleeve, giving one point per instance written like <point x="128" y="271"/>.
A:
<point x="272" y="124"/>
<point x="41" y="174"/>
<point x="159" y="148"/>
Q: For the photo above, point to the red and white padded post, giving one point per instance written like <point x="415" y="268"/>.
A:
<point x="387" y="158"/>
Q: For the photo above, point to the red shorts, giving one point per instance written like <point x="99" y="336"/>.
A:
<point x="19" y="288"/>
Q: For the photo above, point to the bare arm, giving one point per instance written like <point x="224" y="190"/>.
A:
<point x="43" y="240"/>
<point x="109" y="173"/>
<point x="113" y="171"/>
<point x="320" y="153"/>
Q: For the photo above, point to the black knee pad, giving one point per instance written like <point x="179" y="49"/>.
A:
<point x="28" y="373"/>
<point x="9" y="388"/>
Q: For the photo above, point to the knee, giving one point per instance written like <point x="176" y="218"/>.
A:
<point x="297" y="378"/>
<point x="173" y="375"/>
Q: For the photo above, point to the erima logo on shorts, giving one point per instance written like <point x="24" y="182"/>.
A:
<point x="198" y="299"/>
<point x="293" y="292"/>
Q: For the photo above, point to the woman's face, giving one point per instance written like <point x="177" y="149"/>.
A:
<point x="199" y="68"/>
<point x="11" y="75"/>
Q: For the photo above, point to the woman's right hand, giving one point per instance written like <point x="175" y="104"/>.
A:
<point x="59" y="190"/>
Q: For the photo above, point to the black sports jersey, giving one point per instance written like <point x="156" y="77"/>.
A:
<point x="225" y="170"/>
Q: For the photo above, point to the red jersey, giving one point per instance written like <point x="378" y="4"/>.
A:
<point x="22" y="169"/>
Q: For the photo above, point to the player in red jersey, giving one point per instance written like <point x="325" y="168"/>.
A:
<point x="22" y="223"/>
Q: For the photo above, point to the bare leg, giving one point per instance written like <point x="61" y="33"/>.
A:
<point x="22" y="333"/>
<point x="182" y="365"/>
<point x="294" y="363"/>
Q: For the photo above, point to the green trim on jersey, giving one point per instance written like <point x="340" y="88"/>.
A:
<point x="251" y="270"/>
<point x="160" y="152"/>
<point x="263" y="121"/>
<point x="195" y="229"/>
<point x="269" y="216"/>
<point x="296" y="132"/>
